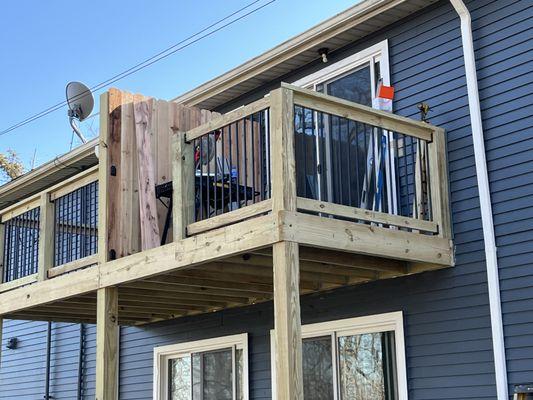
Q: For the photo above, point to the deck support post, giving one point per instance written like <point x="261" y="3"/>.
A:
<point x="285" y="256"/>
<point x="46" y="237"/>
<point x="183" y="185"/>
<point x="287" y="323"/>
<point x="107" y="344"/>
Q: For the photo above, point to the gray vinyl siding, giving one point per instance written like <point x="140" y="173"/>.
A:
<point x="22" y="370"/>
<point x="446" y="312"/>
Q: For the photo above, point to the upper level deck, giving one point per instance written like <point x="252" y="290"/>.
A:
<point x="184" y="206"/>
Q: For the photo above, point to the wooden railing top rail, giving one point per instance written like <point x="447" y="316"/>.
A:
<point x="357" y="112"/>
<point x="228" y="118"/>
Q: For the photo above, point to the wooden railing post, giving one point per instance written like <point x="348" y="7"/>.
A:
<point x="103" y="171"/>
<point x="182" y="185"/>
<point x="438" y="170"/>
<point x="107" y="344"/>
<point x="46" y="237"/>
<point x="286" y="265"/>
<point x="2" y="244"/>
<point x="283" y="165"/>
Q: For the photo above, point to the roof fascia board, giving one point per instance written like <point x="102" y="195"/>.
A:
<point x="50" y="167"/>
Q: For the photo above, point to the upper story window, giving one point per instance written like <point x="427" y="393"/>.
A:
<point x="358" y="358"/>
<point x="354" y="78"/>
<point x="344" y="161"/>
<point x="212" y="369"/>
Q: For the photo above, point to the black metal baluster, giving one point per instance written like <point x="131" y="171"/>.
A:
<point x="238" y="195"/>
<point x="245" y="156"/>
<point x="252" y="140"/>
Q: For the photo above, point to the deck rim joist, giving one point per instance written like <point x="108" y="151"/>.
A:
<point x="429" y="252"/>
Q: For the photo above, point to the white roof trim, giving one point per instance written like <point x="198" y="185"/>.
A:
<point x="308" y="39"/>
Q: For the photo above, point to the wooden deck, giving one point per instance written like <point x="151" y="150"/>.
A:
<point x="278" y="248"/>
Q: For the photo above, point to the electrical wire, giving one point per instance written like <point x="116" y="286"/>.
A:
<point x="182" y="44"/>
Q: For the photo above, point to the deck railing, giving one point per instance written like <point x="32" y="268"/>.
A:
<point x="294" y="150"/>
<point x="50" y="233"/>
<point x="350" y="162"/>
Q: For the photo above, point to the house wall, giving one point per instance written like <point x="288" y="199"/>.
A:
<point x="22" y="370"/>
<point x="447" y="322"/>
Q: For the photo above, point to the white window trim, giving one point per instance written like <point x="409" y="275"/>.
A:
<point x="392" y="321"/>
<point x="379" y="50"/>
<point x="163" y="353"/>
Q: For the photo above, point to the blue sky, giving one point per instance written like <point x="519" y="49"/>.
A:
<point x="45" y="44"/>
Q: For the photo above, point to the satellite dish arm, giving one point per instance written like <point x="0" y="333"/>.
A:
<point x="76" y="128"/>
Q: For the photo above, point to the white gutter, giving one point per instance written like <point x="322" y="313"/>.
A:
<point x="485" y="201"/>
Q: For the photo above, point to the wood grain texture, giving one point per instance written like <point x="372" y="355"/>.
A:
<point x="2" y="239"/>
<point x="107" y="344"/>
<point x="357" y="112"/>
<point x="113" y="225"/>
<point x="439" y="186"/>
<point x="231" y="217"/>
<point x="365" y="239"/>
<point x="183" y="185"/>
<point x="103" y="170"/>
<point x="130" y="236"/>
<point x="287" y="321"/>
<point x="45" y="257"/>
<point x="365" y="215"/>
<point x="149" y="223"/>
<point x="283" y="165"/>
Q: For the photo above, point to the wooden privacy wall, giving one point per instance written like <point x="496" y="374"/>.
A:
<point x="137" y="157"/>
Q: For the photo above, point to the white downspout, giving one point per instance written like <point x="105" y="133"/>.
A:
<point x="485" y="201"/>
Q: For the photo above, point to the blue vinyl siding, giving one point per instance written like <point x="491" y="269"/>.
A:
<point x="447" y="321"/>
<point x="22" y="371"/>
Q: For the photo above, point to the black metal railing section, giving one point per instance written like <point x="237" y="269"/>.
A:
<point x="232" y="168"/>
<point x="342" y="161"/>
<point x="21" y="245"/>
<point x="76" y="224"/>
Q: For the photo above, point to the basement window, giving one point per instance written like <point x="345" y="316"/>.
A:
<point x="212" y="369"/>
<point x="358" y="358"/>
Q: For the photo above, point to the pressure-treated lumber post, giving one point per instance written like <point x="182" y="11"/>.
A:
<point x="283" y="166"/>
<point x="46" y="237"/>
<point x="107" y="344"/>
<point x="2" y="239"/>
<point x="287" y="323"/>
<point x="438" y="170"/>
<point x="103" y="170"/>
<point x="183" y="185"/>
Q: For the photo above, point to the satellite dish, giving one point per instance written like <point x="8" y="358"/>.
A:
<point x="80" y="103"/>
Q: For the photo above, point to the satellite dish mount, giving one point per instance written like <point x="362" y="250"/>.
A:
<point x="80" y="103"/>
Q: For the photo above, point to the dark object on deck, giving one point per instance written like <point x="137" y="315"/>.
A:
<point x="211" y="189"/>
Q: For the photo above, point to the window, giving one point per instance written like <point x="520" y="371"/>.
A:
<point x="354" y="78"/>
<point x="358" y="358"/>
<point x="334" y="156"/>
<point x="212" y="369"/>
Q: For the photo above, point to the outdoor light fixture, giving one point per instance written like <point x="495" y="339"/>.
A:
<point x="324" y="54"/>
<point x="12" y="343"/>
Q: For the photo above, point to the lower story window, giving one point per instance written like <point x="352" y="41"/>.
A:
<point x="357" y="358"/>
<point x="213" y="369"/>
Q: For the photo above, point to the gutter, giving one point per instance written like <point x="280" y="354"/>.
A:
<point x="484" y="201"/>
